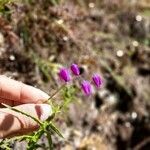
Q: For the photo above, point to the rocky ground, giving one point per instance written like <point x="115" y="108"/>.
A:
<point x="109" y="37"/>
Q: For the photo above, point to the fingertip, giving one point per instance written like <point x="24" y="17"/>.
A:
<point x="46" y="111"/>
<point x="32" y="95"/>
<point x="42" y="96"/>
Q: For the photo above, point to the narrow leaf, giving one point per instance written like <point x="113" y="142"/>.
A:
<point x="55" y="129"/>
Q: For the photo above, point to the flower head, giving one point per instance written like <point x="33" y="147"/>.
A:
<point x="75" y="69"/>
<point x="64" y="74"/>
<point x="97" y="80"/>
<point x="86" y="87"/>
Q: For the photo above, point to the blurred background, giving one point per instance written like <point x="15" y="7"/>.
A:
<point x="109" y="37"/>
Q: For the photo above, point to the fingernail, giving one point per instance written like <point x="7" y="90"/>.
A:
<point x="46" y="111"/>
<point x="44" y="95"/>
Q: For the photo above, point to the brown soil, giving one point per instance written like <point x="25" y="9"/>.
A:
<point x="108" y="37"/>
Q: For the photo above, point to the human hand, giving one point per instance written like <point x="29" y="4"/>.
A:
<point x="25" y="98"/>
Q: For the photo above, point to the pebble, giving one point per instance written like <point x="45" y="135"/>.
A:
<point x="135" y="43"/>
<point x="12" y="57"/>
<point x="138" y="18"/>
<point x="120" y="53"/>
<point x="60" y="21"/>
<point x="65" y="38"/>
<point x="91" y="5"/>
<point x="134" y="115"/>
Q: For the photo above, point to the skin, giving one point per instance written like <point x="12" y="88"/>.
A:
<point x="25" y="98"/>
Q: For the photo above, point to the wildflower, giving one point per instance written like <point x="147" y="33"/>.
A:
<point x="97" y="80"/>
<point x="75" y="69"/>
<point x="64" y="74"/>
<point x="86" y="87"/>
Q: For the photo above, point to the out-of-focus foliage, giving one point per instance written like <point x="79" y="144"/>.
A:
<point x="110" y="36"/>
<point x="3" y="3"/>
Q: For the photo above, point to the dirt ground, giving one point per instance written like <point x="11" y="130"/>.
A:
<point x="111" y="37"/>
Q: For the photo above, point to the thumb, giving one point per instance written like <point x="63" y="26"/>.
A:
<point x="14" y="123"/>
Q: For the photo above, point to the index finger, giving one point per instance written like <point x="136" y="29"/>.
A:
<point x="20" y="92"/>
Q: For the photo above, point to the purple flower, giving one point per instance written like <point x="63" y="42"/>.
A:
<point x="97" y="80"/>
<point x="75" y="69"/>
<point x="64" y="74"/>
<point x="86" y="87"/>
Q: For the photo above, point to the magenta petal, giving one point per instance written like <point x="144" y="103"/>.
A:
<point x="97" y="80"/>
<point x="64" y="74"/>
<point x="86" y="87"/>
<point x="75" y="69"/>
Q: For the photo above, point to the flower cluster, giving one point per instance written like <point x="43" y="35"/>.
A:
<point x="86" y="86"/>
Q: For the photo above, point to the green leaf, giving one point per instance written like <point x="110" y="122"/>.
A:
<point x="55" y="129"/>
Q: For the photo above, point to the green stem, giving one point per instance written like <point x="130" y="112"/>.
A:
<point x="53" y="127"/>
<point x="50" y="142"/>
<point x="18" y="138"/>
<point x="60" y="88"/>
<point x="23" y="113"/>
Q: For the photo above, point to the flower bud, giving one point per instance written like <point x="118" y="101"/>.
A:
<point x="64" y="74"/>
<point x="75" y="69"/>
<point x="97" y="80"/>
<point x="86" y="87"/>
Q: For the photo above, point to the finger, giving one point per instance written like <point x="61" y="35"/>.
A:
<point x="17" y="91"/>
<point x="13" y="123"/>
<point x="8" y="102"/>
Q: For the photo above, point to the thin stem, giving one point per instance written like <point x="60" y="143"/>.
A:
<point x="56" y="91"/>
<point x="23" y="113"/>
<point x="50" y="142"/>
<point x="18" y="138"/>
<point x="60" y="88"/>
<point x="53" y="127"/>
